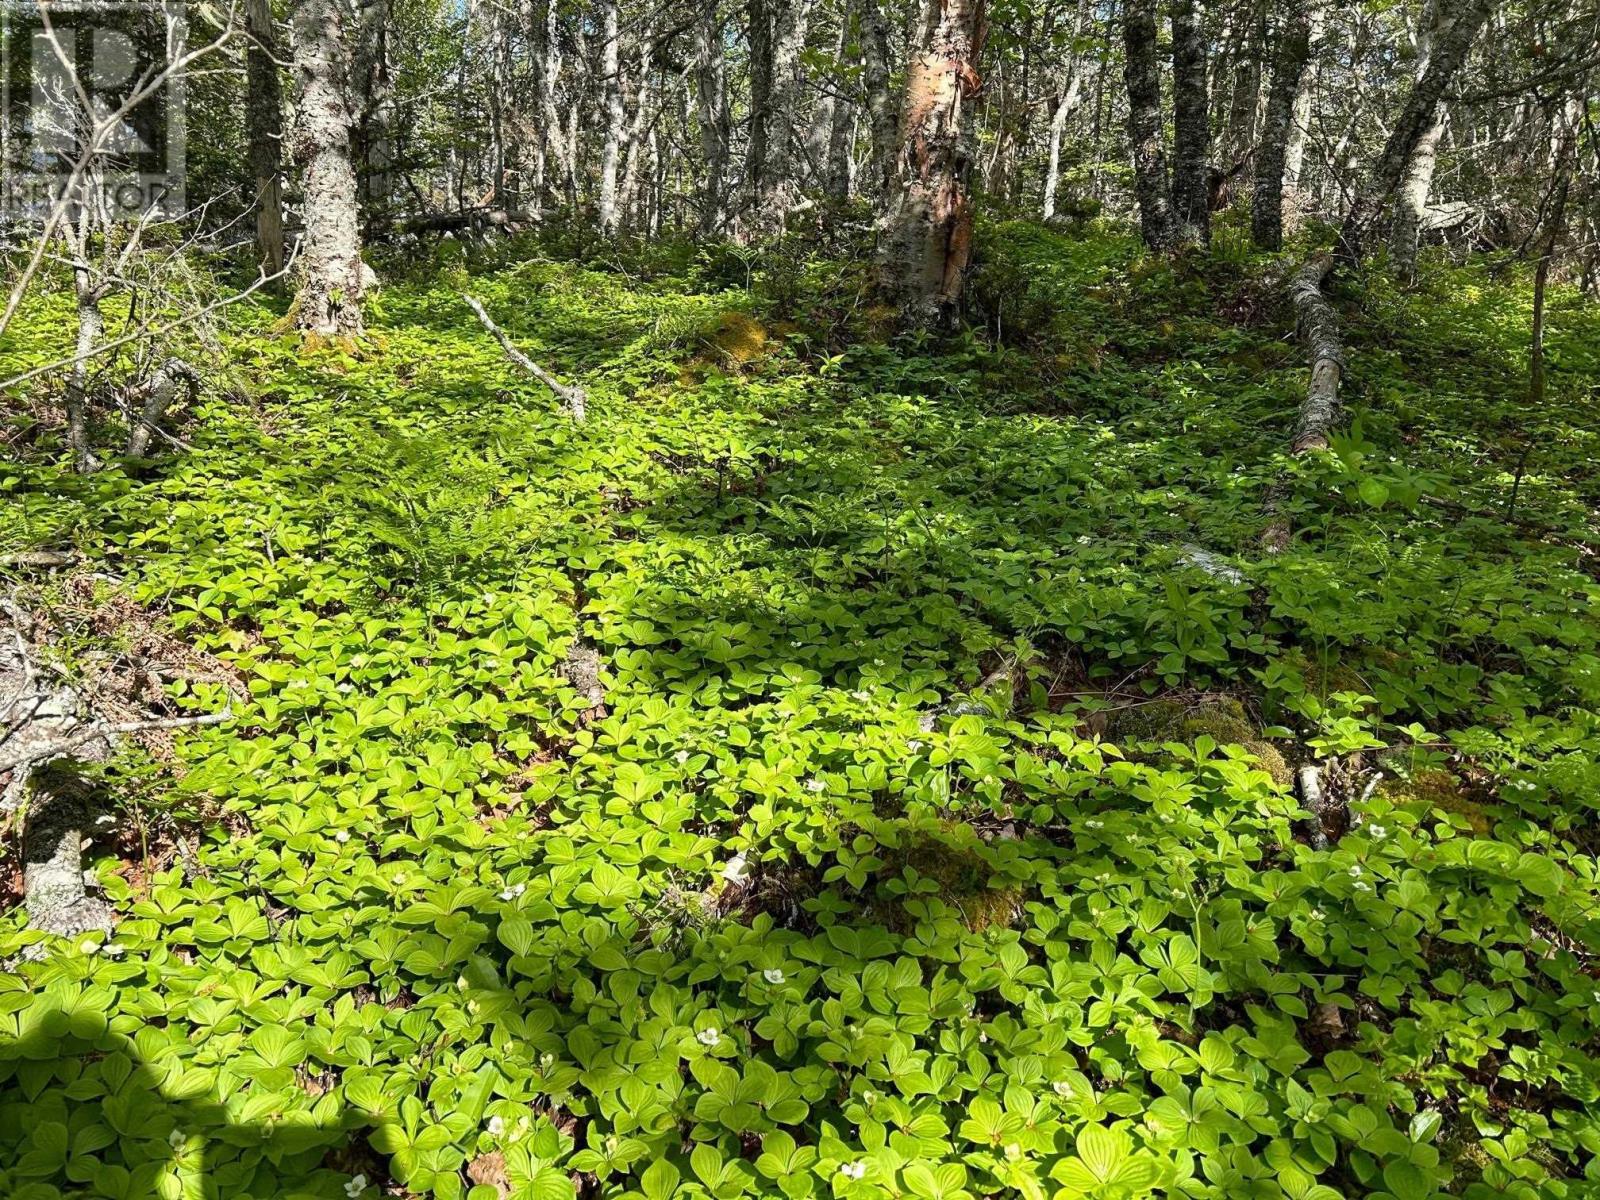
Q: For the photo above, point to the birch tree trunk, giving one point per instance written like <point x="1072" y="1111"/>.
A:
<point x="329" y="303"/>
<point x="263" y="114"/>
<point x="1411" y="198"/>
<point x="1300" y="124"/>
<point x="1288" y="72"/>
<point x="927" y="241"/>
<point x="778" y="189"/>
<point x="715" y="120"/>
<point x="1142" y="72"/>
<point x="1449" y="52"/>
<point x="635" y="161"/>
<point x="1191" y="184"/>
<point x="611" y="89"/>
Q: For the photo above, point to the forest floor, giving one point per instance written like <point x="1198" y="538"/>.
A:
<point x="936" y="834"/>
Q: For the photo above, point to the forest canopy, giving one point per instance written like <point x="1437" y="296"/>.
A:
<point x="855" y="599"/>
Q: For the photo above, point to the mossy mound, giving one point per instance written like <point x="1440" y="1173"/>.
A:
<point x="737" y="340"/>
<point x="951" y="856"/>
<point x="1438" y="789"/>
<point x="1221" y="718"/>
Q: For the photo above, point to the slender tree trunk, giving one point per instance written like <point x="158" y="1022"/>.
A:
<point x="1288" y="72"/>
<point x="711" y="103"/>
<point x="371" y="95"/>
<point x="329" y="303"/>
<point x="1191" y="154"/>
<point x="779" y="188"/>
<point x="756" y="152"/>
<point x="1294" y="155"/>
<point x="635" y="161"/>
<point x="264" y="122"/>
<point x="1449" y="52"/>
<point x="927" y="241"/>
<point x="881" y="107"/>
<point x="830" y="121"/>
<point x="1142" y="71"/>
<point x="1411" y="198"/>
<point x="611" y="90"/>
<point x="91" y="326"/>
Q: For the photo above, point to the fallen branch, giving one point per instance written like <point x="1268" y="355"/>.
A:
<point x="159" y="394"/>
<point x="574" y="396"/>
<point x="1319" y="328"/>
<point x="108" y="730"/>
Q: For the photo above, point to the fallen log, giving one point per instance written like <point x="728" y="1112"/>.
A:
<point x="572" y="395"/>
<point x="1319" y="329"/>
<point x="159" y="394"/>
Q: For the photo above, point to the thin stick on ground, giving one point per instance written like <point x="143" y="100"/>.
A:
<point x="572" y="395"/>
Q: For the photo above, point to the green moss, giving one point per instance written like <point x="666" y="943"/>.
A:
<point x="1221" y="718"/>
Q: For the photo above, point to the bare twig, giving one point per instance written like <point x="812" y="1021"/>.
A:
<point x="573" y="395"/>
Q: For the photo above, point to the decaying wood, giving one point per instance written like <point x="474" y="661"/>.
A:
<point x="47" y="724"/>
<point x="159" y="394"/>
<point x="573" y="395"/>
<point x="1319" y="329"/>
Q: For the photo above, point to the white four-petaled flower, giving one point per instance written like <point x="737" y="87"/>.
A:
<point x="342" y="836"/>
<point x="177" y="1138"/>
<point x="497" y="1126"/>
<point x="815" y="785"/>
<point x="853" y="1170"/>
<point x="682" y="756"/>
<point x="356" y="1185"/>
<point x="773" y="975"/>
<point x="709" y="1036"/>
<point x="1377" y="831"/>
<point x="1355" y="872"/>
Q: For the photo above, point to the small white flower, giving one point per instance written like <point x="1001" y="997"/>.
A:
<point x="862" y="695"/>
<point x="512" y="892"/>
<point x="344" y="689"/>
<point x="1363" y="887"/>
<point x="709" y="1036"/>
<point x="1013" y="1152"/>
<point x="772" y="975"/>
<point x="1062" y="1087"/>
<point x="342" y="836"/>
<point x="497" y="1126"/>
<point x="1378" y="831"/>
<point x="461" y="983"/>
<point x="546" y="1061"/>
<point x="682" y="756"/>
<point x="177" y="1138"/>
<point x="877" y="662"/>
<point x="869" y="1097"/>
<point x="1093" y="824"/>
<point x="853" y="1170"/>
<point x="914" y="745"/>
<point x="1316" y="914"/>
<point x="113" y="950"/>
<point x="815" y="785"/>
<point x="356" y="1185"/>
<point x="1355" y="871"/>
<point x="488" y="597"/>
<point x="89" y="948"/>
<point x="1084" y="539"/>
<point x="1597" y="997"/>
<point x="797" y="645"/>
<point x="399" y="878"/>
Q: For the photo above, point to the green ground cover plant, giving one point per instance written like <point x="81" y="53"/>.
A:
<point x="806" y="909"/>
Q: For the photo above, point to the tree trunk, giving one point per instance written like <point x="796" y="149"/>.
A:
<point x="329" y="303"/>
<point x="1288" y="72"/>
<point x="928" y="234"/>
<point x="1191" y="152"/>
<point x="1300" y="125"/>
<point x="264" y="124"/>
<point x="711" y="101"/>
<point x="635" y="161"/>
<point x="778" y="190"/>
<point x="1142" y="71"/>
<point x="875" y="60"/>
<point x="91" y="325"/>
<point x="372" y="97"/>
<point x="1412" y="196"/>
<point x="611" y="90"/>
<point x="756" y="154"/>
<point x="830" y="122"/>
<point x="1449" y="52"/>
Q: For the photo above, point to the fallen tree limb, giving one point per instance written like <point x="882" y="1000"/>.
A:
<point x="108" y="730"/>
<point x="160" y="392"/>
<point x="573" y="396"/>
<point x="1319" y="329"/>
